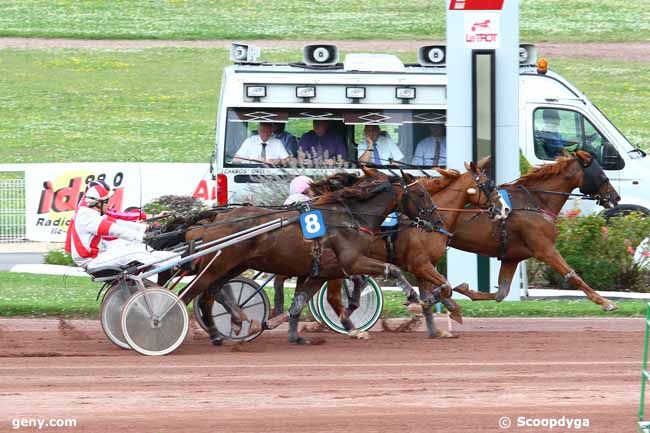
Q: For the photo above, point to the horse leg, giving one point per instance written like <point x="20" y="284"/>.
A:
<point x="305" y="289"/>
<point x="205" y="305"/>
<point x="334" y="289"/>
<point x="362" y="265"/>
<point x="278" y="295"/>
<point x="354" y="301"/>
<point x="506" y="272"/>
<point x="474" y="295"/>
<point x="428" y="273"/>
<point x="429" y="300"/>
<point x="164" y="277"/>
<point x="553" y="258"/>
<point x="237" y="314"/>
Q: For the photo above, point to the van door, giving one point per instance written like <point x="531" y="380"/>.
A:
<point x="558" y="127"/>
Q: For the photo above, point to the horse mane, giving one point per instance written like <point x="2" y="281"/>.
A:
<point x="361" y="192"/>
<point x="434" y="184"/>
<point x="334" y="182"/>
<point x="546" y="171"/>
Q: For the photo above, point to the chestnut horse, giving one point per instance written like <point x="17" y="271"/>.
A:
<point x="419" y="251"/>
<point x="529" y="231"/>
<point x="351" y="216"/>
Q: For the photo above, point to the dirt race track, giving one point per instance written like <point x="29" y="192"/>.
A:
<point x="394" y="382"/>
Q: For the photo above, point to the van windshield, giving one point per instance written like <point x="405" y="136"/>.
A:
<point x="319" y="138"/>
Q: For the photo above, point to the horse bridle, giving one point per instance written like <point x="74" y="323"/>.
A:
<point x="486" y="188"/>
<point x="425" y="216"/>
<point x="593" y="178"/>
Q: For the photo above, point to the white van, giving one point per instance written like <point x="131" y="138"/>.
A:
<point x="404" y="101"/>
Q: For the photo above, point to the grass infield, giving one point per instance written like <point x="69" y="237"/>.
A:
<point x="45" y="295"/>
<point x="547" y="20"/>
<point x="160" y="105"/>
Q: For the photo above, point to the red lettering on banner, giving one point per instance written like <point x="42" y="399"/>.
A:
<point x="115" y="202"/>
<point x="66" y="198"/>
<point x="46" y="198"/>
<point x="202" y="192"/>
<point x="476" y="5"/>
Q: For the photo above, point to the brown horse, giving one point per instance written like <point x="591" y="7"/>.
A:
<point x="351" y="216"/>
<point x="529" y="231"/>
<point x="418" y="251"/>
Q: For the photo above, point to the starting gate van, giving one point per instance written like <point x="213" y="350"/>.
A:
<point x="318" y="115"/>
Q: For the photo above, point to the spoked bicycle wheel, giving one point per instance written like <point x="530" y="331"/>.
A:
<point x="155" y="321"/>
<point x="111" y="313"/>
<point x="250" y="299"/>
<point x="371" y="303"/>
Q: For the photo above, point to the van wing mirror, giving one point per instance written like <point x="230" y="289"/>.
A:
<point x="611" y="159"/>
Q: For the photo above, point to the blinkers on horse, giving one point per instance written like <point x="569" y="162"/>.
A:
<point x="593" y="178"/>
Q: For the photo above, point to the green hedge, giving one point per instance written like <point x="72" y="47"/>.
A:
<point x="601" y="252"/>
<point x="58" y="257"/>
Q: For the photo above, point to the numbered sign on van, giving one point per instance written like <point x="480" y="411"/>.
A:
<point x="313" y="224"/>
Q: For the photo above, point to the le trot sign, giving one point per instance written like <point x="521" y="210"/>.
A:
<point x="481" y="22"/>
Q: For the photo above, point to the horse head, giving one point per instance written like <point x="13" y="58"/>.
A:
<point x="484" y="192"/>
<point x="594" y="182"/>
<point x="416" y="203"/>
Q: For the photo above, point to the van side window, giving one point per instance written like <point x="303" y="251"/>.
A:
<point x="344" y="138"/>
<point x="557" y="130"/>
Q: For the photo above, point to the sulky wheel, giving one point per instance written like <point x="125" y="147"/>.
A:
<point x="250" y="299"/>
<point x="313" y="305"/>
<point x="154" y="321"/>
<point x="370" y="306"/>
<point x="111" y="313"/>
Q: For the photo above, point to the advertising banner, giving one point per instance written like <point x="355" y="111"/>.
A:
<point x="52" y="191"/>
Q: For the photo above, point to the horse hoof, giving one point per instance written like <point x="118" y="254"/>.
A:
<point x="414" y="308"/>
<point x="255" y="328"/>
<point x="441" y="333"/>
<point x="456" y="316"/>
<point x="297" y="340"/>
<point x="314" y="341"/>
<point x="358" y="335"/>
<point x="217" y="341"/>
<point x="610" y="306"/>
<point x="363" y="335"/>
<point x="499" y="296"/>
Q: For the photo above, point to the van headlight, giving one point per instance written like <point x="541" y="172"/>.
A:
<point x="405" y="93"/>
<point x="256" y="91"/>
<point x="355" y="92"/>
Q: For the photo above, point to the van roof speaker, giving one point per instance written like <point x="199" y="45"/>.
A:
<point x="527" y="54"/>
<point x="432" y="55"/>
<point x="320" y="55"/>
<point x="244" y="53"/>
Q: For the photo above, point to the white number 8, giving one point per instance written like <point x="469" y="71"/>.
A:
<point x="311" y="224"/>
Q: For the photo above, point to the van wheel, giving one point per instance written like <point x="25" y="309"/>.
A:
<point x="624" y="209"/>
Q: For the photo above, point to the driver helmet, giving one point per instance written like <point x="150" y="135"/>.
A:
<point x="98" y="191"/>
<point x="299" y="185"/>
